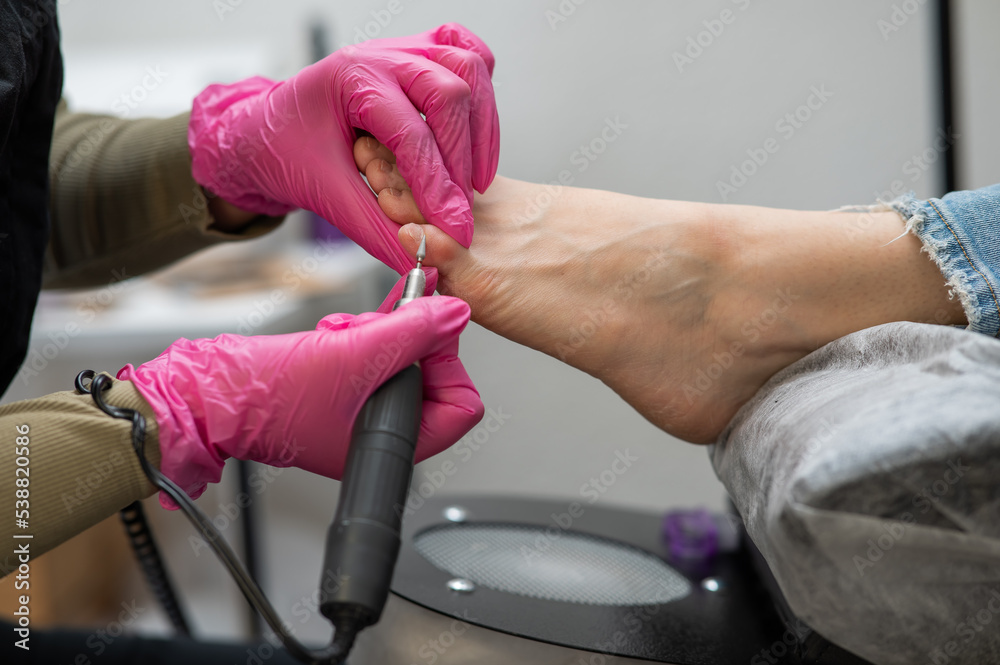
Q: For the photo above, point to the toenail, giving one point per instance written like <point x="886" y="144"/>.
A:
<point x="414" y="231"/>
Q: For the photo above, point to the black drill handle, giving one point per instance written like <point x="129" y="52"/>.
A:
<point x="362" y="543"/>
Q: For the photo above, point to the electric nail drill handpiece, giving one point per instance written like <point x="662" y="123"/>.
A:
<point x="362" y="543"/>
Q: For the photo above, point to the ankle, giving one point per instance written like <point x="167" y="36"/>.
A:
<point x="838" y="273"/>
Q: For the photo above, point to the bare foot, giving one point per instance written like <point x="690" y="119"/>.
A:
<point x="683" y="309"/>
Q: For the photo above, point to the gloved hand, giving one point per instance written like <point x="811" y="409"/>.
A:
<point x="270" y="147"/>
<point x="291" y="400"/>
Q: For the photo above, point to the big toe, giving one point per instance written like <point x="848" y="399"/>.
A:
<point x="443" y="251"/>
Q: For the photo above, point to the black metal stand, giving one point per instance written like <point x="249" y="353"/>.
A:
<point x="248" y="524"/>
<point x="946" y="81"/>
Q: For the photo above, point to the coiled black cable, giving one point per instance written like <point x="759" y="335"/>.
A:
<point x="148" y="554"/>
<point x="345" y="632"/>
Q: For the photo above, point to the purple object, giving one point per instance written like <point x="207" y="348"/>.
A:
<point x="691" y="534"/>
<point x="323" y="231"/>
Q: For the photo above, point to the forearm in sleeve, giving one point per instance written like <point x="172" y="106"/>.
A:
<point x="123" y="200"/>
<point x="65" y="466"/>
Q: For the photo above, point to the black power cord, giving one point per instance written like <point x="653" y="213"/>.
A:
<point x="345" y="629"/>
<point x="148" y="554"/>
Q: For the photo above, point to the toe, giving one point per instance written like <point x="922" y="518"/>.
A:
<point x="367" y="149"/>
<point x="443" y="252"/>
<point x="381" y="174"/>
<point x="399" y="206"/>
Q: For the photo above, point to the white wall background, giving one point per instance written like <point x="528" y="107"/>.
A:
<point x="557" y="84"/>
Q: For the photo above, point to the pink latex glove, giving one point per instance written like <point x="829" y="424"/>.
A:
<point x="291" y="400"/>
<point x="270" y="147"/>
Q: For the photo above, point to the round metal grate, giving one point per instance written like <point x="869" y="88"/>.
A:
<point x="564" y="566"/>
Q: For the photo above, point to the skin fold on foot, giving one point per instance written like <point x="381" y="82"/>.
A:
<point x="683" y="309"/>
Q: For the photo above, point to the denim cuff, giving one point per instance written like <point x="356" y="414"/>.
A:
<point x="961" y="233"/>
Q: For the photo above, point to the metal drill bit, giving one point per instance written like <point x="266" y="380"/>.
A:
<point x="413" y="288"/>
<point x="422" y="250"/>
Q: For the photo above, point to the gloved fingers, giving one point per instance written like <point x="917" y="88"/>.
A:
<point x="449" y="34"/>
<point x="413" y="332"/>
<point x="451" y="402"/>
<point x="485" y="144"/>
<point x="455" y="34"/>
<point x="461" y="51"/>
<point x="365" y="318"/>
<point x="323" y="182"/>
<point x="389" y="115"/>
<point x="445" y="99"/>
<point x="333" y="322"/>
<point x="484" y="123"/>
<point x="360" y="217"/>
<point x="446" y="418"/>
<point x="380" y="345"/>
<point x="396" y="293"/>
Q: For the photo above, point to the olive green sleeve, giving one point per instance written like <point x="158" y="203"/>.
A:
<point x="123" y="200"/>
<point x="66" y="466"/>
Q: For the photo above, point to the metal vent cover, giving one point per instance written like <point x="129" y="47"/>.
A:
<point x="565" y="566"/>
